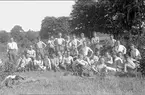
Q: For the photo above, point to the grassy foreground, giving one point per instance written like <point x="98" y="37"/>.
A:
<point x="50" y="83"/>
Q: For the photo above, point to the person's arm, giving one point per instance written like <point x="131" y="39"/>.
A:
<point x="8" y="47"/>
<point x="110" y="61"/>
<point x="124" y="50"/>
<point x="44" y="44"/>
<point x="91" y="51"/>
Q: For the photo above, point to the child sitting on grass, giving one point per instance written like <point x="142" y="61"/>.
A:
<point x="54" y="62"/>
<point x="47" y="62"/>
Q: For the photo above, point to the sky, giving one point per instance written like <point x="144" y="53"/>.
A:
<point x="29" y="14"/>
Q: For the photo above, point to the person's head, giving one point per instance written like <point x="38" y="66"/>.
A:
<point x="80" y="56"/>
<point x="39" y="57"/>
<point x="27" y="55"/>
<point x="53" y="55"/>
<point x="118" y="43"/>
<point x="111" y="37"/>
<point x="107" y="54"/>
<point x="31" y="47"/>
<point x="60" y="35"/>
<point x="120" y="54"/>
<point x="52" y="37"/>
<point x="23" y="55"/>
<point x="74" y="36"/>
<point x="39" y="39"/>
<point x="132" y="46"/>
<point x="46" y="56"/>
<point x="97" y="53"/>
<point x="94" y="34"/>
<point x="84" y="43"/>
<point x="12" y="40"/>
<point x="59" y="54"/>
<point x="102" y="60"/>
<point x="82" y="35"/>
<point x="114" y="55"/>
<point x="68" y="53"/>
<point x="68" y="37"/>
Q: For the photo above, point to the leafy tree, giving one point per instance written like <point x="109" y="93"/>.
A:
<point x="17" y="33"/>
<point x="4" y="36"/>
<point x="114" y="16"/>
<point x="32" y="35"/>
<point x="52" y="25"/>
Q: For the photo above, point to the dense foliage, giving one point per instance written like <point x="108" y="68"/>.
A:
<point x="53" y="25"/>
<point x="114" y="16"/>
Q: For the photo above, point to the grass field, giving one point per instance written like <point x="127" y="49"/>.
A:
<point x="55" y="83"/>
<point x="50" y="83"/>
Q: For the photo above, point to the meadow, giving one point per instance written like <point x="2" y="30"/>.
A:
<point x="58" y="83"/>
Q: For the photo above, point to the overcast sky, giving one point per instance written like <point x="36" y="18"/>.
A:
<point x="29" y="14"/>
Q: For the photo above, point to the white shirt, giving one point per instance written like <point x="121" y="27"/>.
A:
<point x="135" y="53"/>
<point x="31" y="53"/>
<point x="120" y="48"/>
<point x="12" y="45"/>
<point x="25" y="61"/>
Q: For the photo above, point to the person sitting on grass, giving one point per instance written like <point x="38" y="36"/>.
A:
<point x="80" y="64"/>
<point x="47" y="62"/>
<point x="54" y="62"/>
<point x="39" y="64"/>
<point x="108" y="59"/>
<point x="100" y="66"/>
<point x="130" y="63"/>
<point x="118" y="62"/>
<point x="74" y="52"/>
<point x="67" y="61"/>
<point x="24" y="63"/>
<point x="135" y="54"/>
<point x="119" y="48"/>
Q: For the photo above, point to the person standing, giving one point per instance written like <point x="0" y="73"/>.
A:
<point x="60" y="43"/>
<point x="95" y="42"/>
<point x="40" y="47"/>
<point x="12" y="50"/>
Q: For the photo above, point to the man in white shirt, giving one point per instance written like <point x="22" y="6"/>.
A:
<point x="12" y="50"/>
<point x="40" y="47"/>
<point x="119" y="48"/>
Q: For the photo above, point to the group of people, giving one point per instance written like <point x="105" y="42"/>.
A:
<point x="74" y="54"/>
